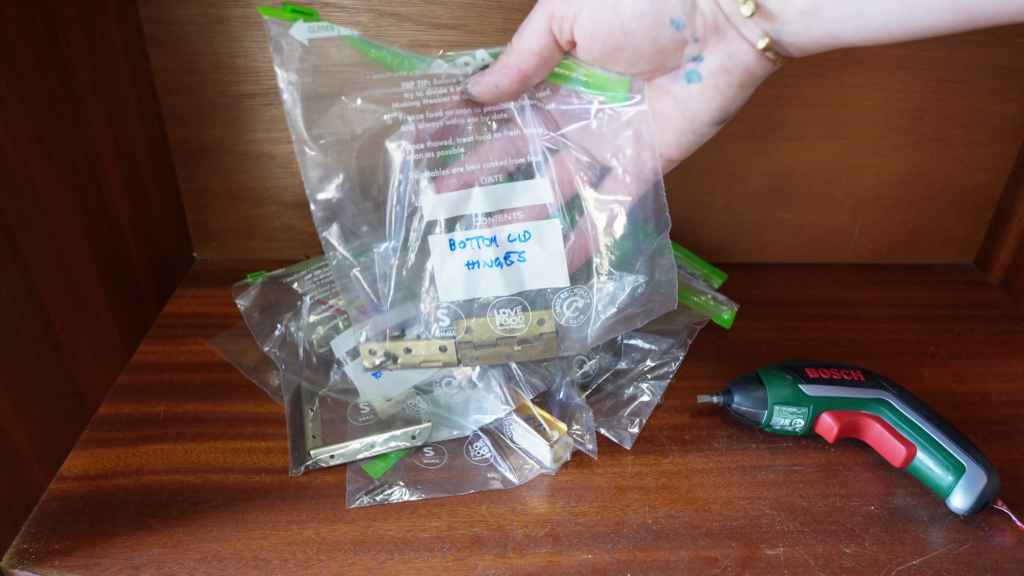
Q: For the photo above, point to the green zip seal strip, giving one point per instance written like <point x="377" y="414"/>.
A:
<point x="698" y="266"/>
<point x="705" y="303"/>
<point x="709" y="273"/>
<point x="378" y="465"/>
<point x="572" y="74"/>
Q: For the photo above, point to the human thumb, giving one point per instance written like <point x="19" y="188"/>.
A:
<point x="536" y="48"/>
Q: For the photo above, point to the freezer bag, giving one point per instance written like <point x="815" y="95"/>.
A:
<point x="505" y="453"/>
<point x="518" y="231"/>
<point x="337" y="411"/>
<point x="502" y="454"/>
<point x="613" y="388"/>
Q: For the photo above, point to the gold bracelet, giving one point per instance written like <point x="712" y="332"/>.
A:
<point x="764" y="44"/>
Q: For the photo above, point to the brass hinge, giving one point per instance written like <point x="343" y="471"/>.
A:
<point x="482" y="342"/>
<point x="397" y="354"/>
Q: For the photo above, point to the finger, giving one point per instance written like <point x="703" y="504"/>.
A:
<point x="536" y="48"/>
<point x="568" y="172"/>
<point x="507" y="142"/>
<point x="506" y="149"/>
<point x="435" y="123"/>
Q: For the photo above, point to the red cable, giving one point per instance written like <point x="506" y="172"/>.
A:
<point x="1002" y="506"/>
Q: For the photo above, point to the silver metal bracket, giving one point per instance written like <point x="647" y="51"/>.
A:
<point x="306" y="440"/>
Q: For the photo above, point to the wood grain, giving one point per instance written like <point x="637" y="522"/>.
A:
<point x="183" y="469"/>
<point x="1001" y="256"/>
<point x="893" y="154"/>
<point x="93" y="237"/>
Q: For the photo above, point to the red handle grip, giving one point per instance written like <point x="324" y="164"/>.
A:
<point x="872" y="429"/>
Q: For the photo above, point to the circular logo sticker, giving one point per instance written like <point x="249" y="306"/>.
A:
<point x="584" y="366"/>
<point x="362" y="413"/>
<point x="514" y="429"/>
<point x="429" y="455"/>
<point x="441" y="322"/>
<point x="415" y="404"/>
<point x="478" y="449"/>
<point x="449" y="386"/>
<point x="509" y="316"/>
<point x="573" y="305"/>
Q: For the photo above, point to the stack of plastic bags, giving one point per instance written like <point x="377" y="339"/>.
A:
<point x="498" y="285"/>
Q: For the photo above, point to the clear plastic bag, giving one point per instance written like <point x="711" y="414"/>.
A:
<point x="310" y="330"/>
<point x="500" y="455"/>
<point x="631" y="377"/>
<point x="503" y="454"/>
<point x="236" y="345"/>
<point x="625" y="378"/>
<point x="517" y="231"/>
<point x="562" y="398"/>
<point x="613" y="388"/>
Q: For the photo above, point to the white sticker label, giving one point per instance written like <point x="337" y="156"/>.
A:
<point x="492" y="198"/>
<point x="386" y="384"/>
<point x="789" y="418"/>
<point x="306" y="31"/>
<point x="498" y="261"/>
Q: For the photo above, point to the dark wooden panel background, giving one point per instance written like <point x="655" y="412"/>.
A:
<point x="894" y="154"/>
<point x="93" y="237"/>
<point x="1001" y="256"/>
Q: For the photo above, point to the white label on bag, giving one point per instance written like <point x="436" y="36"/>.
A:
<point x="499" y="261"/>
<point x="306" y="31"/>
<point x="386" y="384"/>
<point x="479" y="200"/>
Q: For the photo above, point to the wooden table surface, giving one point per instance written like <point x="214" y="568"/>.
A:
<point x="184" y="468"/>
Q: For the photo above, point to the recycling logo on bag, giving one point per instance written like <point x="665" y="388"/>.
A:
<point x="449" y="386"/>
<point x="584" y="366"/>
<point x="514" y="429"/>
<point x="573" y="305"/>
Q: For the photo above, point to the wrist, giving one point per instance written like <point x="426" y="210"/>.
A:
<point x="790" y="24"/>
<point x="795" y="25"/>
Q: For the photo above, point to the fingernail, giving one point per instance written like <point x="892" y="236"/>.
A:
<point x="467" y="85"/>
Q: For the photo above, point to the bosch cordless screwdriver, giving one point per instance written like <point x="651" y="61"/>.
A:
<point x="835" y="401"/>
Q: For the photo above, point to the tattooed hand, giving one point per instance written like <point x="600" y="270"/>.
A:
<point x="699" y="68"/>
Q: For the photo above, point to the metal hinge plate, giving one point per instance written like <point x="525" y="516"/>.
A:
<point x="398" y="354"/>
<point x="482" y="342"/>
<point x="306" y="440"/>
